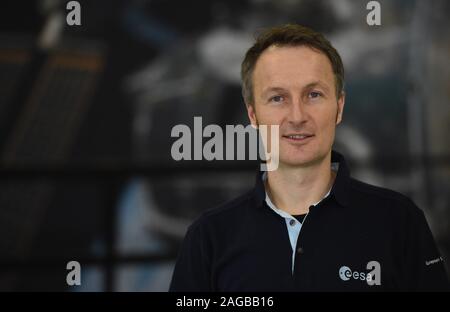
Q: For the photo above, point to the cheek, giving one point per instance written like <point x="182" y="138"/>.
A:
<point x="269" y="117"/>
<point x="327" y="123"/>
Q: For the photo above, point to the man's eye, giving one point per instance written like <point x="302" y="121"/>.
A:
<point x="276" y="98"/>
<point x="314" y="94"/>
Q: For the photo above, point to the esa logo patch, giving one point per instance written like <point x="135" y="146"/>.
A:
<point x="372" y="277"/>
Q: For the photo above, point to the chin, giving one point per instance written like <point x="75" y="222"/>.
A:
<point x="298" y="160"/>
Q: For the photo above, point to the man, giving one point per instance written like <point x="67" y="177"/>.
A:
<point x="307" y="226"/>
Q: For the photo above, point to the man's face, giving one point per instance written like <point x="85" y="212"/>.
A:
<point x="294" y="87"/>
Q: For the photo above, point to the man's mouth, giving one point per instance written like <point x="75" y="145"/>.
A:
<point x="298" y="137"/>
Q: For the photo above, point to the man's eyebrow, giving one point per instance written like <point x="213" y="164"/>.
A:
<point x="274" y="89"/>
<point x="310" y="85"/>
<point x="315" y="84"/>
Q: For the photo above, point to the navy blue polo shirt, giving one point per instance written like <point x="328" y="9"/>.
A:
<point x="359" y="238"/>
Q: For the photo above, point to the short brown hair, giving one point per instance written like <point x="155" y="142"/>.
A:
<point x="289" y="35"/>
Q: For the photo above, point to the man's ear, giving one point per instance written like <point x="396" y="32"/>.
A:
<point x="252" y="115"/>
<point x="340" y="104"/>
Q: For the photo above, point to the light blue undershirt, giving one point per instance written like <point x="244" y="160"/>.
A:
<point x="295" y="228"/>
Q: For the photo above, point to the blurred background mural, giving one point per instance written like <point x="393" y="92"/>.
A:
<point x="86" y="114"/>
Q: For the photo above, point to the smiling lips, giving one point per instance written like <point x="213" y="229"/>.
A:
<point x="298" y="137"/>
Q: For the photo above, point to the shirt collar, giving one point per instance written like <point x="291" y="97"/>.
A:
<point x="334" y="167"/>
<point x="339" y="189"/>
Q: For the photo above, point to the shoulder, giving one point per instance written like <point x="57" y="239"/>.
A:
<point x="383" y="199"/>
<point x="224" y="214"/>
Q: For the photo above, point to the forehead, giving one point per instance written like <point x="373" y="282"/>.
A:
<point x="292" y="66"/>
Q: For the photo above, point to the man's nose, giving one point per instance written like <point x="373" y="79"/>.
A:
<point x="297" y="112"/>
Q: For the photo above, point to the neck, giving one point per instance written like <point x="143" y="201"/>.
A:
<point x="294" y="189"/>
